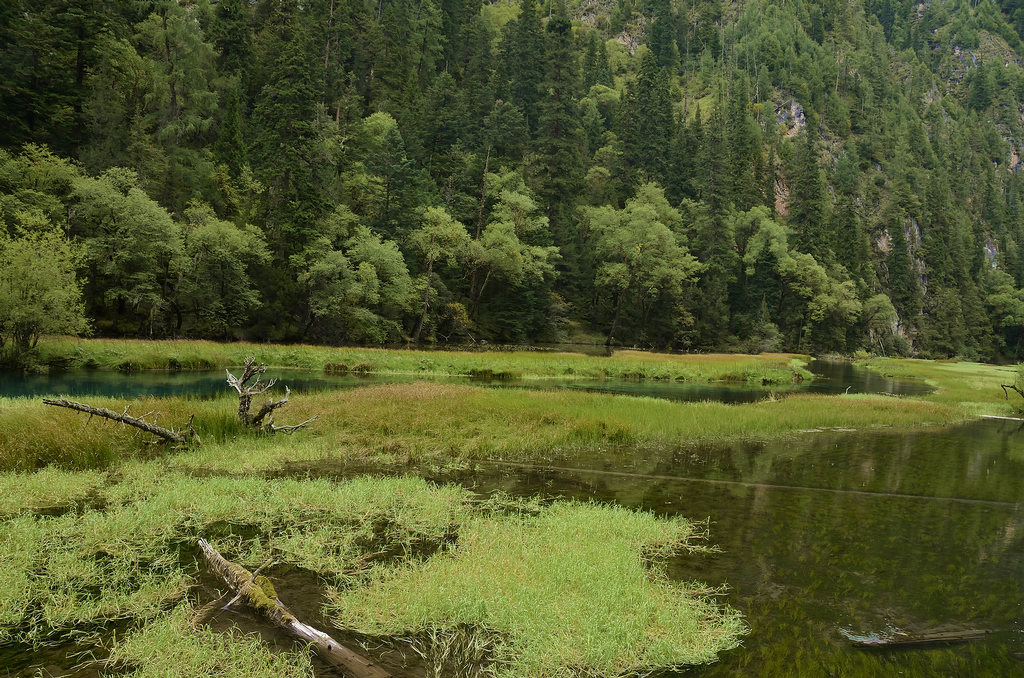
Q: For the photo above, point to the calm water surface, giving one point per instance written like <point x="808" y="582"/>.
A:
<point x="865" y="532"/>
<point x="830" y="377"/>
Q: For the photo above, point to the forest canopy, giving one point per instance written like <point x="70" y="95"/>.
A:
<point x="812" y="176"/>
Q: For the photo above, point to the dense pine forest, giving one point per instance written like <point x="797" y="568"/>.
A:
<point x="677" y="174"/>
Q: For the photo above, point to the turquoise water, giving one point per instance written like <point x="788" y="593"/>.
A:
<point x="832" y="377"/>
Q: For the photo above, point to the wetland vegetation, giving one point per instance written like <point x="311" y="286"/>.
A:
<point x="446" y="524"/>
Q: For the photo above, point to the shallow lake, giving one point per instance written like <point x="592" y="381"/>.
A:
<point x="830" y="532"/>
<point x="830" y="377"/>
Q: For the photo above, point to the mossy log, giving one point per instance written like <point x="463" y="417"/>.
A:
<point x="258" y="593"/>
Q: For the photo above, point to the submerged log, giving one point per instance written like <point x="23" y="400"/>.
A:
<point x="181" y="437"/>
<point x="901" y="639"/>
<point x="258" y="593"/>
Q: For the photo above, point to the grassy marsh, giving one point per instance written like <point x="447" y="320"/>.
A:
<point x="394" y="549"/>
<point x="131" y="355"/>
<point x="439" y="423"/>
<point x="971" y="386"/>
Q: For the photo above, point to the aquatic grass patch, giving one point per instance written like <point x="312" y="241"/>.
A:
<point x="51" y="586"/>
<point x="74" y="573"/>
<point x="440" y="423"/>
<point x="574" y="589"/>
<point x="170" y="646"/>
<point x="48" y="488"/>
<point x="114" y="354"/>
<point x="428" y="422"/>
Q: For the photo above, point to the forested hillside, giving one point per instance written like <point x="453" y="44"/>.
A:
<point x="684" y="174"/>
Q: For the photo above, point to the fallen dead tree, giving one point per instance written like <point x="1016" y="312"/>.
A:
<point x="258" y="593"/>
<point x="186" y="436"/>
<point x="248" y="389"/>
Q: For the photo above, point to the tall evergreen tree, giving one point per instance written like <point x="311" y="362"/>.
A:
<point x="522" y="44"/>
<point x="649" y="124"/>
<point x="808" y="201"/>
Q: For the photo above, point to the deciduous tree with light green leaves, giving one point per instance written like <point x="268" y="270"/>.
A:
<point x="39" y="291"/>
<point x="502" y="251"/>
<point x="218" y="271"/>
<point x="642" y="257"/>
<point x="440" y="237"/>
<point x="357" y="284"/>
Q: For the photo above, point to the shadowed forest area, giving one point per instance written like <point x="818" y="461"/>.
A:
<point x="807" y="176"/>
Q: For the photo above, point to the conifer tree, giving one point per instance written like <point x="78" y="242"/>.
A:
<point x="522" y="46"/>
<point x="649" y="129"/>
<point x="808" y="206"/>
<point x="559" y="135"/>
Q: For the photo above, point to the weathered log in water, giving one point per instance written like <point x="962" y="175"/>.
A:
<point x="912" y="639"/>
<point x="185" y="437"/>
<point x="258" y="593"/>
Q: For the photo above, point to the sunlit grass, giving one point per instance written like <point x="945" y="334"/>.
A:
<point x="973" y="386"/>
<point x="190" y="354"/>
<point x="565" y="592"/>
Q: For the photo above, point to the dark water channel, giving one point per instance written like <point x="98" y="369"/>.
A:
<point x="830" y="377"/>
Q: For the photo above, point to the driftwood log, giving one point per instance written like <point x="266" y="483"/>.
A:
<point x="248" y="389"/>
<point x="185" y="437"/>
<point x="912" y="639"/>
<point x="258" y="593"/>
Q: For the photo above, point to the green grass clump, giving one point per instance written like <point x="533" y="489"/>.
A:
<point x="120" y="354"/>
<point x="577" y="589"/>
<point x="72" y="575"/>
<point x="171" y="647"/>
<point x="73" y="572"/>
<point x="49" y="488"/>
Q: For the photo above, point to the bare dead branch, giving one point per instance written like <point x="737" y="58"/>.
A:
<point x="186" y="437"/>
<point x="270" y="406"/>
<point x="1012" y="387"/>
<point x="288" y="430"/>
